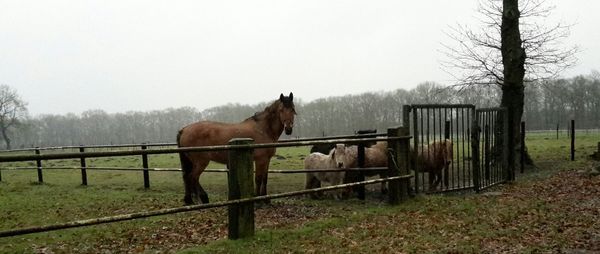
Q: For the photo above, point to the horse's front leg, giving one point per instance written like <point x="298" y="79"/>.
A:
<point x="261" y="177"/>
<point x="257" y="184"/>
<point x="384" y="185"/>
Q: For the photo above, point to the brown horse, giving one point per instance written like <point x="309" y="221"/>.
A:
<point x="434" y="158"/>
<point x="263" y="127"/>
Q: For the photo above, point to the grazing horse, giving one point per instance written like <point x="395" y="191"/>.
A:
<point x="334" y="160"/>
<point x="263" y="127"/>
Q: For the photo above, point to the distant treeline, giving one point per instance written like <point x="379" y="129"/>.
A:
<point x="547" y="104"/>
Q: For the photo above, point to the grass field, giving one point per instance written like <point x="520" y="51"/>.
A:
<point x="295" y="225"/>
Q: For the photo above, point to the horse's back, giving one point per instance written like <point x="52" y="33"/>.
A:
<point x="208" y="133"/>
<point x="436" y="155"/>
<point x="376" y="155"/>
<point x="316" y="160"/>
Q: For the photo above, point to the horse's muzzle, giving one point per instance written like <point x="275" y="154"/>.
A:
<point x="288" y="130"/>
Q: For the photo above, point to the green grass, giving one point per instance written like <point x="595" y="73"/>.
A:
<point x="62" y="198"/>
<point x="307" y="225"/>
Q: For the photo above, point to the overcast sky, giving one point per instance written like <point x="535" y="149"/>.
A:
<point x="71" y="56"/>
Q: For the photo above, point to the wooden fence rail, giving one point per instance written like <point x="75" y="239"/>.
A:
<point x="222" y="170"/>
<point x="144" y="152"/>
<point x="58" y="156"/>
<point x="240" y="181"/>
<point x="370" y="135"/>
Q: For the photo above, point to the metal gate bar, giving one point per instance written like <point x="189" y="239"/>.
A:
<point x="491" y="165"/>
<point x="435" y="123"/>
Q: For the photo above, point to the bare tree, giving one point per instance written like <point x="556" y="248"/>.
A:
<point x="476" y="57"/>
<point x="12" y="110"/>
<point x="512" y="49"/>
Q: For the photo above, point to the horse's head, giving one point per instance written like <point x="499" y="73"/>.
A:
<point x="287" y="112"/>
<point x="338" y="154"/>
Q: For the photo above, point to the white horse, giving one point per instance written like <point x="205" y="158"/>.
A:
<point x="336" y="159"/>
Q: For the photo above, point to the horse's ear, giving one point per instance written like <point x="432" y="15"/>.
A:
<point x="291" y="96"/>
<point x="281" y="97"/>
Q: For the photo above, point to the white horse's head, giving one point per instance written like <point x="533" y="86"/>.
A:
<point x="340" y="156"/>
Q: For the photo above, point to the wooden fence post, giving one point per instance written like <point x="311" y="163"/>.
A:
<point x="398" y="190"/>
<point x="360" y="161"/>
<point x="572" y="140"/>
<point x="145" y="168"/>
<point x="241" y="185"/>
<point x="361" y="175"/>
<point x="83" y="167"/>
<point x="394" y="192"/>
<point x="39" y="166"/>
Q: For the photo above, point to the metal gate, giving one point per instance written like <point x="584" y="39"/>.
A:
<point x="435" y="123"/>
<point x="478" y="157"/>
<point x="490" y="146"/>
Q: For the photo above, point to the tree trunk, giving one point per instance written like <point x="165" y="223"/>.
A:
<point x="5" y="137"/>
<point x="513" y="60"/>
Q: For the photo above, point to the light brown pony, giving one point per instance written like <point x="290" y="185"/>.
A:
<point x="263" y="127"/>
<point x="434" y="158"/>
<point x="375" y="156"/>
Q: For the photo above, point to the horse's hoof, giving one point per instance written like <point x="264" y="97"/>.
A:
<point x="188" y="201"/>
<point x="262" y="203"/>
<point x="204" y="199"/>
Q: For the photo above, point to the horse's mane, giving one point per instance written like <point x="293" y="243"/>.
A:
<point x="271" y="110"/>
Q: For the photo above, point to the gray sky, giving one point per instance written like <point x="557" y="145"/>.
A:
<point x="71" y="56"/>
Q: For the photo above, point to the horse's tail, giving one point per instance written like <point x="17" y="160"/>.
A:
<point x="186" y="163"/>
<point x="186" y="169"/>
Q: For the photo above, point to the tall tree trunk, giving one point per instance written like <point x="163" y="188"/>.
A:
<point x="5" y="137"/>
<point x="513" y="60"/>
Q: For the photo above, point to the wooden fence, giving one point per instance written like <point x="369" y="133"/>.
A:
<point x="240" y="180"/>
<point x="144" y="157"/>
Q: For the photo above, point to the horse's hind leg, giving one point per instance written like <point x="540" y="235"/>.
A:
<point x="437" y="176"/>
<point x="187" y="168"/>
<point x="311" y="183"/>
<point x="431" y="177"/>
<point x="197" y="192"/>
<point x="187" y="198"/>
<point x="202" y="194"/>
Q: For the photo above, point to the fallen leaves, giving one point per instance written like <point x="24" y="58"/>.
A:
<point x="554" y="214"/>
